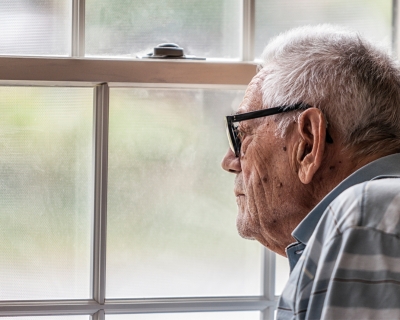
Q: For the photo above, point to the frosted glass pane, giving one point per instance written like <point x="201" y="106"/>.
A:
<point x="35" y="27"/>
<point x="45" y="192"/>
<point x="48" y="318"/>
<point x="370" y="18"/>
<point x="240" y="315"/>
<point x="207" y="28"/>
<point x="282" y="271"/>
<point x="171" y="209"/>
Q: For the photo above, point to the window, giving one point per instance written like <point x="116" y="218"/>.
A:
<point x="113" y="203"/>
<point x="45" y="174"/>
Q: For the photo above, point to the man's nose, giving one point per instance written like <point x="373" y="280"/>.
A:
<point x="231" y="163"/>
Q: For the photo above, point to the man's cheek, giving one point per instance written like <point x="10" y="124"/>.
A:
<point x="241" y="203"/>
<point x="251" y="200"/>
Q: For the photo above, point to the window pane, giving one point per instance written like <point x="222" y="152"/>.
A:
<point x="208" y="28"/>
<point x="35" y="27"/>
<point x="370" y="18"/>
<point x="48" y="318"/>
<point x="248" y="315"/>
<point x="171" y="208"/>
<point x="282" y="271"/>
<point x="45" y="191"/>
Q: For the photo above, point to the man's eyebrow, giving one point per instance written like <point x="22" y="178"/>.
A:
<point x="238" y="112"/>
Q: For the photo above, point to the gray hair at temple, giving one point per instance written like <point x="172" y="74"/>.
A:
<point x="355" y="83"/>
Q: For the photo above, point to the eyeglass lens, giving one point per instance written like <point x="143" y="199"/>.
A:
<point x="233" y="138"/>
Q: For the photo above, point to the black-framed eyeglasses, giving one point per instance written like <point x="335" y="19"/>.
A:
<point x="232" y="129"/>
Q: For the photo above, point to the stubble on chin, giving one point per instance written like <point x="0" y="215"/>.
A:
<point x="245" y="227"/>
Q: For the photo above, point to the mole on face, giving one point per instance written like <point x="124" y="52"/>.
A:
<point x="284" y="148"/>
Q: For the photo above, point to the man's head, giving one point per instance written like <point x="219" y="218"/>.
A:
<point x="287" y="162"/>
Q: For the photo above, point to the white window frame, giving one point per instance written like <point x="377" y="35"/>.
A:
<point x="101" y="74"/>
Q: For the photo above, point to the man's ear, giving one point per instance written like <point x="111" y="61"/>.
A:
<point x="310" y="150"/>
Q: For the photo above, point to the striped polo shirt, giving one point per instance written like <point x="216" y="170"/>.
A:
<point x="346" y="261"/>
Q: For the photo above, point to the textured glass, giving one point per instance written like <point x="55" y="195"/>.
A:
<point x="370" y="18"/>
<point x="171" y="208"/>
<point x="45" y="192"/>
<point x="240" y="315"/>
<point x="125" y="28"/>
<point x="35" y="27"/>
<point x="282" y="271"/>
<point x="48" y="318"/>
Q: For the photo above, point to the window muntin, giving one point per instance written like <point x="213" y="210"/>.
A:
<point x="35" y="28"/>
<point x="373" y="19"/>
<point x="45" y="192"/>
<point x="171" y="210"/>
<point x="205" y="28"/>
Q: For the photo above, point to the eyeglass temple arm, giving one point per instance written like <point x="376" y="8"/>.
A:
<point x="267" y="112"/>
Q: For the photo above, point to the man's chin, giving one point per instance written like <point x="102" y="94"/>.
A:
<point x="245" y="235"/>
<point x="244" y="228"/>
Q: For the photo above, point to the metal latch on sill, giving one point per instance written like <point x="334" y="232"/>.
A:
<point x="169" y="51"/>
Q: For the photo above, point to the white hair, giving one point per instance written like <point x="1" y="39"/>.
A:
<point x="353" y="82"/>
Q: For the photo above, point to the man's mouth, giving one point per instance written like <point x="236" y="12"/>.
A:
<point x="238" y="186"/>
<point x="238" y="193"/>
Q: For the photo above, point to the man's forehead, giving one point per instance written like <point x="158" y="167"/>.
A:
<point x="253" y="97"/>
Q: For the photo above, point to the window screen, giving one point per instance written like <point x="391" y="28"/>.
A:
<point x="373" y="19"/>
<point x="45" y="192"/>
<point x="35" y="27"/>
<point x="209" y="28"/>
<point x="249" y="315"/>
<point x="171" y="209"/>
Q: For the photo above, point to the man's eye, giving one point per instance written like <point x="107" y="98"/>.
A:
<point x="240" y="132"/>
<point x="240" y="135"/>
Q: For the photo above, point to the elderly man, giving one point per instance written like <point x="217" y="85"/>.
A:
<point x="313" y="147"/>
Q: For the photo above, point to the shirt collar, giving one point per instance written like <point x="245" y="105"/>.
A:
<point x="383" y="167"/>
